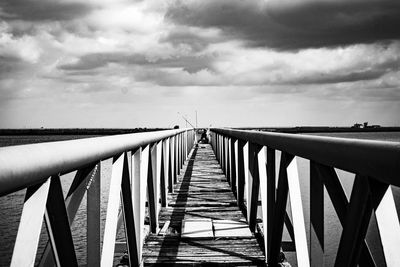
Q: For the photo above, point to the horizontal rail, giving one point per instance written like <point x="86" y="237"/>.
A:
<point x="26" y="165"/>
<point x="248" y="159"/>
<point x="378" y="159"/>
<point x="143" y="164"/>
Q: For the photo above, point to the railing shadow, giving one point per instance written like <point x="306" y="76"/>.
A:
<point x="178" y="213"/>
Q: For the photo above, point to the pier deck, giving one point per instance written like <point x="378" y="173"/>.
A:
<point x="215" y="231"/>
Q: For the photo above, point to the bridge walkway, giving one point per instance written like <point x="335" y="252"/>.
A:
<point x="202" y="224"/>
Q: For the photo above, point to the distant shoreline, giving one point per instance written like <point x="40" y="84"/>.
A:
<point x="324" y="129"/>
<point x="76" y="131"/>
<point x="112" y="131"/>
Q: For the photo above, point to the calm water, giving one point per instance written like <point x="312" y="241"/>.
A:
<point x="11" y="205"/>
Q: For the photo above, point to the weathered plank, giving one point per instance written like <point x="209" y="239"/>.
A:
<point x="202" y="196"/>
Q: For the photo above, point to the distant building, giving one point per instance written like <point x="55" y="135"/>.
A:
<point x="365" y="125"/>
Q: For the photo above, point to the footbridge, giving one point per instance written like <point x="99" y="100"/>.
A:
<point x="236" y="200"/>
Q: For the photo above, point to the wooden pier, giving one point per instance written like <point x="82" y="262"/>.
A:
<point x="202" y="224"/>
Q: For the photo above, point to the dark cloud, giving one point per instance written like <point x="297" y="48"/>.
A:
<point x="372" y="72"/>
<point x="183" y="36"/>
<point x="297" y="25"/>
<point x="11" y="66"/>
<point x="326" y="78"/>
<point x="40" y="10"/>
<point x="190" y="64"/>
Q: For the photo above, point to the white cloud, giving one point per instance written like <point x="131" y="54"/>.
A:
<point x="25" y="48"/>
<point x="129" y="52"/>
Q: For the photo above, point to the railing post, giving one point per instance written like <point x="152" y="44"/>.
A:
<point x="139" y="181"/>
<point x="58" y="226"/>
<point x="232" y="164"/>
<point x="228" y="161"/>
<point x="253" y="184"/>
<point x="339" y="200"/>
<point x="271" y="191"/>
<point x="356" y="223"/>
<point x="226" y="155"/>
<point x="85" y="180"/>
<point x="279" y="211"/>
<point x="30" y="225"/>
<point x="153" y="189"/>
<point x="389" y="228"/>
<point x="262" y="171"/>
<point x="129" y="217"/>
<point x="186" y="144"/>
<point x="164" y="172"/>
<point x="296" y="205"/>
<point x="316" y="217"/>
<point x="240" y="174"/>
<point x="110" y="229"/>
<point x="178" y="154"/>
<point x="172" y="164"/>
<point x="93" y="217"/>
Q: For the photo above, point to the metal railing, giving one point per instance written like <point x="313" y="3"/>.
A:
<point x="248" y="159"/>
<point x="155" y="161"/>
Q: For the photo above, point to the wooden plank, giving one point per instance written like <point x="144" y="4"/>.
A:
<point x="202" y="195"/>
<point x="200" y="228"/>
<point x="230" y="228"/>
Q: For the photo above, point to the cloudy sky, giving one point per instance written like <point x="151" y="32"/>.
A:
<point x="125" y="63"/>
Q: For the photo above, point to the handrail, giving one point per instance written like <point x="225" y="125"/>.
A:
<point x="25" y="165"/>
<point x="379" y="159"/>
<point x="249" y="161"/>
<point x="143" y="164"/>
